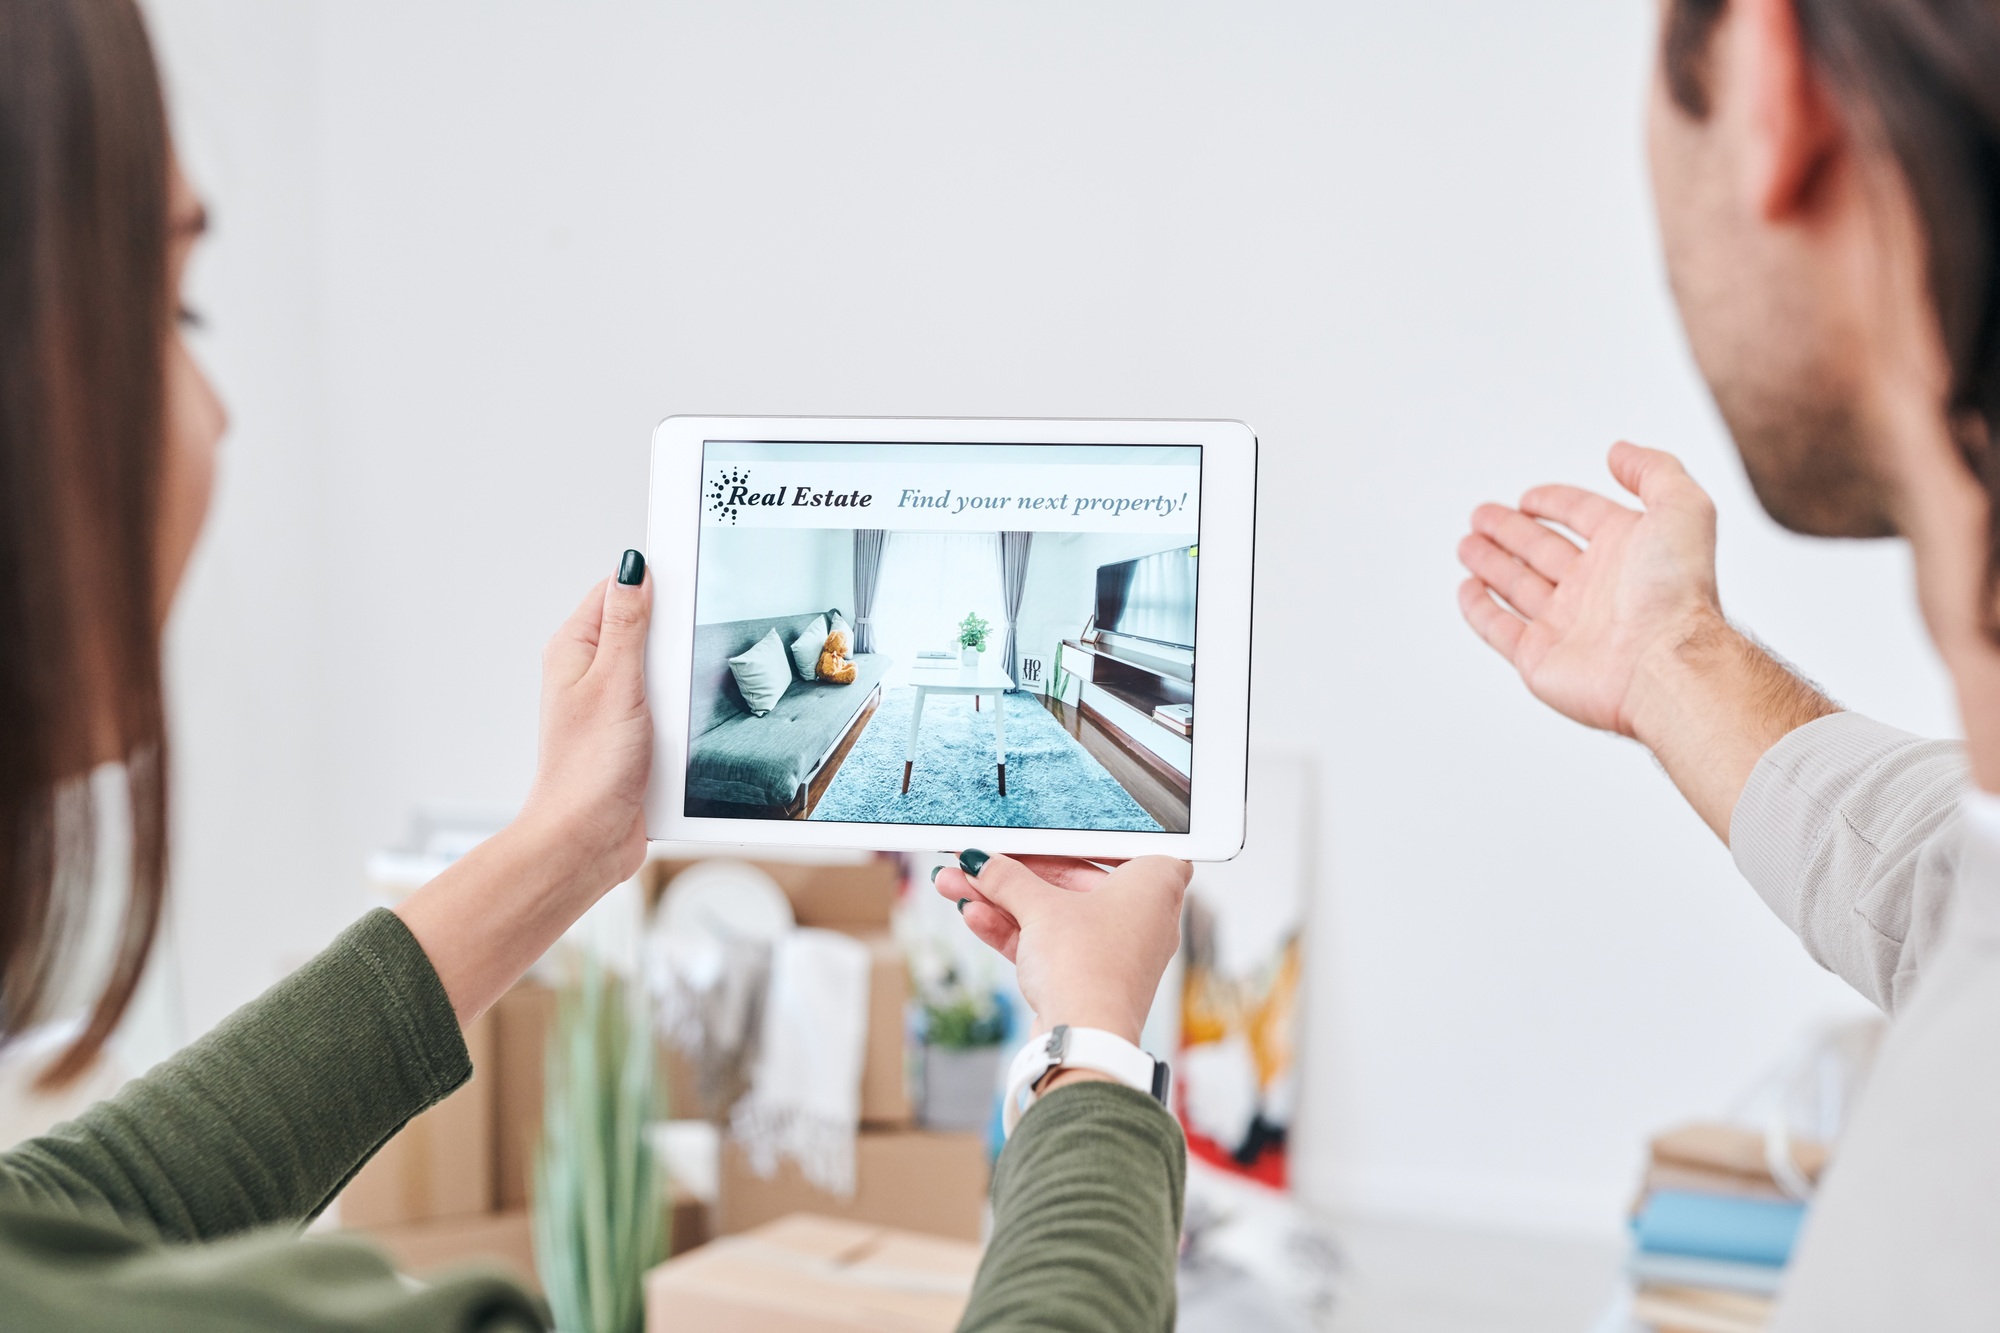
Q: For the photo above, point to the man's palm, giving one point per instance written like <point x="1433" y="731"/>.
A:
<point x="1580" y="624"/>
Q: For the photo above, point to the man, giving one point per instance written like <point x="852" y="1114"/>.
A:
<point x="1827" y="176"/>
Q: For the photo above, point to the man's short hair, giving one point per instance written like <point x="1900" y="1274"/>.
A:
<point x="1684" y="43"/>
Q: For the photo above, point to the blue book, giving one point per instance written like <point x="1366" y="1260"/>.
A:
<point x="1717" y="1226"/>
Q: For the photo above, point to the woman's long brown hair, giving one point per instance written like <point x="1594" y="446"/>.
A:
<point x="85" y="314"/>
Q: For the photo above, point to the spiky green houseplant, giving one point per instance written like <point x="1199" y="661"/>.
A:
<point x="599" y="1190"/>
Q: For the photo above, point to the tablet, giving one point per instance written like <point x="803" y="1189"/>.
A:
<point x="902" y="634"/>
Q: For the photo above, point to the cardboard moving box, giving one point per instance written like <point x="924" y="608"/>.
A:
<point x="807" y="1274"/>
<point x="506" y="1241"/>
<point x="856" y="900"/>
<point x="521" y="1022"/>
<point x="885" y="1080"/>
<point x="908" y="1178"/>
<point x="498" y="1240"/>
<point x="440" y="1165"/>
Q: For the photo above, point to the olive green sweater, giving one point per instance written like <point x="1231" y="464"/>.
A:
<point x="175" y="1205"/>
<point x="1086" y="1218"/>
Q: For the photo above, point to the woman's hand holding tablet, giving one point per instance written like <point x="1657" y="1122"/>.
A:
<point x="1089" y="943"/>
<point x="494" y="911"/>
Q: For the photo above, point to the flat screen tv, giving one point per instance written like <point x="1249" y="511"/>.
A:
<point x="1150" y="598"/>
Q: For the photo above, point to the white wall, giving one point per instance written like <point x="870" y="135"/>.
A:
<point x="470" y="253"/>
<point x="755" y="573"/>
<point x="262" y="873"/>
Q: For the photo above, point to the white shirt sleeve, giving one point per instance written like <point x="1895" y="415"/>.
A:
<point x="1850" y="830"/>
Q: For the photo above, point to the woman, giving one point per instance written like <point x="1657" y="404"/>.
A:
<point x="108" y="433"/>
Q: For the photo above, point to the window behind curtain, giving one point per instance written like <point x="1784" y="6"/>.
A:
<point x="929" y="581"/>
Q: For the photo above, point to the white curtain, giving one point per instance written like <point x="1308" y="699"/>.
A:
<point x="929" y="581"/>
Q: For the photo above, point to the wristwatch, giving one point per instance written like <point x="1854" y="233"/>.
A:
<point x="1066" y="1047"/>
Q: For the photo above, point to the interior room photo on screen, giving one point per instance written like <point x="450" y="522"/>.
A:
<point x="992" y="679"/>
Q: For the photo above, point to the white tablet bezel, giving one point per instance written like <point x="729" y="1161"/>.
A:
<point x="1222" y="632"/>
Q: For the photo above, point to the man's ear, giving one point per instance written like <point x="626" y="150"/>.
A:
<point x="1793" y="126"/>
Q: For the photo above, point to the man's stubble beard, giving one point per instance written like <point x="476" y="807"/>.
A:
<point x="1808" y="458"/>
<point x="1765" y="349"/>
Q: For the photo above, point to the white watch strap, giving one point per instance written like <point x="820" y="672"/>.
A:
<point x="1079" y="1048"/>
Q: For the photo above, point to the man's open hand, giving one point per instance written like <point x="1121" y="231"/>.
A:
<point x="1626" y="632"/>
<point x="1585" y="625"/>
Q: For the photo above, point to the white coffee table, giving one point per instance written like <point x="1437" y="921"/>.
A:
<point x="986" y="678"/>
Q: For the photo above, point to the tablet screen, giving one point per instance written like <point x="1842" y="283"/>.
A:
<point x="987" y="635"/>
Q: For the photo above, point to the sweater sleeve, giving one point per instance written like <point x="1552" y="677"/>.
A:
<point x="1849" y="830"/>
<point x="1086" y="1218"/>
<point x="265" y="1118"/>
<point x="72" y="1275"/>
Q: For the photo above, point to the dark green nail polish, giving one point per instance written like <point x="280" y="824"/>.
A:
<point x="632" y="569"/>
<point x="972" y="861"/>
<point x="961" y="905"/>
<point x="934" y="873"/>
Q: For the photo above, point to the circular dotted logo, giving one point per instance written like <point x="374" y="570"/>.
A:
<point x="719" y="489"/>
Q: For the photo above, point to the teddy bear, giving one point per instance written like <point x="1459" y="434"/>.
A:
<point x="835" y="666"/>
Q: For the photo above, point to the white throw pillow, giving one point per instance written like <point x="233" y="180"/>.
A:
<point x="805" y="648"/>
<point x="763" y="672"/>
<point x="840" y="623"/>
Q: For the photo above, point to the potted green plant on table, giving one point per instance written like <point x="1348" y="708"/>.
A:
<point x="964" y="1026"/>
<point x="600" y="1193"/>
<point x="971" y="639"/>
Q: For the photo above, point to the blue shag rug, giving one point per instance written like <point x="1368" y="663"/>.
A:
<point x="1052" y="781"/>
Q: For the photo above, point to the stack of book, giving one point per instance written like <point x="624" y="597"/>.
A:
<point x="1177" y="718"/>
<point x="1713" y="1230"/>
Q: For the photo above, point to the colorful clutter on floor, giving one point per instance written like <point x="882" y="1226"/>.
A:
<point x="1714" y="1229"/>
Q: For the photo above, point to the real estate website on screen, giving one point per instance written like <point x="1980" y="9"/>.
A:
<point x="950" y="634"/>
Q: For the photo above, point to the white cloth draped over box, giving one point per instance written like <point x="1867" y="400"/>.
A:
<point x="709" y="996"/>
<point x="805" y="1089"/>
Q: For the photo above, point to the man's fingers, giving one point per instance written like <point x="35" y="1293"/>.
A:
<point x="1535" y="545"/>
<point x="1582" y="512"/>
<point x="1501" y="628"/>
<point x="1528" y="591"/>
<point x="994" y="927"/>
<point x="1653" y="475"/>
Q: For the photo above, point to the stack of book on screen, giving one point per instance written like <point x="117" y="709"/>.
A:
<point x="1714" y="1229"/>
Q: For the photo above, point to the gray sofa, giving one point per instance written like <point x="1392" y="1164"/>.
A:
<point x="736" y="760"/>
